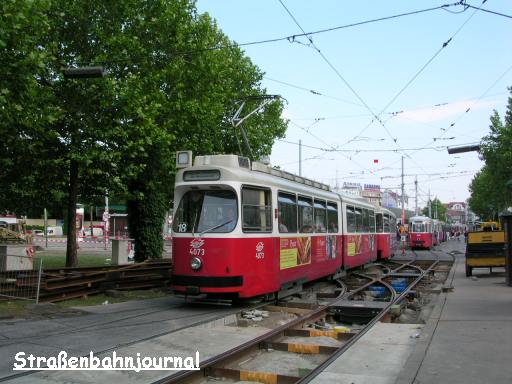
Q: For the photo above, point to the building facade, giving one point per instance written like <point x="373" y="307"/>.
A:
<point x="457" y="212"/>
<point x="352" y="189"/>
<point x="390" y="199"/>
<point x="371" y="192"/>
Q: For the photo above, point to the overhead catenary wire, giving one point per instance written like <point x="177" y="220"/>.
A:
<point x="414" y="77"/>
<point x="375" y="116"/>
<point x="335" y="149"/>
<point x="430" y="174"/>
<point x="461" y="115"/>
<point x="475" y="101"/>
<point x="423" y="181"/>
<point x="351" y="25"/>
<point x="289" y="38"/>
<point x="324" y="142"/>
<point x="312" y="91"/>
<point x="400" y="112"/>
<point x="487" y="10"/>
<point x="327" y="61"/>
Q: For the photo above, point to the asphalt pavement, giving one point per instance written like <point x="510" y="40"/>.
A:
<point x="468" y="338"/>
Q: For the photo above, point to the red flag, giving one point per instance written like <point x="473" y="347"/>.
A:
<point x="375" y="161"/>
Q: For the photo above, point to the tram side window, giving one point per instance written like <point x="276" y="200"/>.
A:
<point x="305" y="214"/>
<point x="256" y="210"/>
<point x="287" y="212"/>
<point x="359" y="220"/>
<point x="366" y="224"/>
<point x="351" y="219"/>
<point x="371" y="217"/>
<point x="320" y="216"/>
<point x="392" y="224"/>
<point x="332" y="217"/>
<point x="379" y="221"/>
<point x="387" y="228"/>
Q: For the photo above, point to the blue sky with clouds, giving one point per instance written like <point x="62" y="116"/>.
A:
<point x="396" y="70"/>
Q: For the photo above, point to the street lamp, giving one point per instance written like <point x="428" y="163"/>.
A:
<point x="83" y="72"/>
<point x="465" y="148"/>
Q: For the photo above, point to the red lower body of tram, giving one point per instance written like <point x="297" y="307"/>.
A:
<point x="255" y="266"/>
<point x="386" y="245"/>
<point x="421" y="240"/>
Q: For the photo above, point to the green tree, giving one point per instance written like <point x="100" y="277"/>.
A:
<point x="437" y="208"/>
<point x="483" y="200"/>
<point x="27" y="106"/>
<point x="490" y="188"/>
<point x="173" y="82"/>
<point x="192" y="112"/>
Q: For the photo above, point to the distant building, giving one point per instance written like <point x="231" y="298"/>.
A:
<point x="371" y="192"/>
<point x="390" y="199"/>
<point x="352" y="189"/>
<point x="457" y="212"/>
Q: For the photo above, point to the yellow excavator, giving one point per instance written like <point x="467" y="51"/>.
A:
<point x="13" y="231"/>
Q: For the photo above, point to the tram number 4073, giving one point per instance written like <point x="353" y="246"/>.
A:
<point x="196" y="251"/>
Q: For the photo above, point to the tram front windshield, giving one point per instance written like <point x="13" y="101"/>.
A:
<point x="206" y="212"/>
<point x="418" y="227"/>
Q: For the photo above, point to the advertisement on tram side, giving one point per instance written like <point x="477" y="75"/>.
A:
<point x="297" y="251"/>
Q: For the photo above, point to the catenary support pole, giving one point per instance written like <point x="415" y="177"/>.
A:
<point x="300" y="157"/>
<point x="403" y="197"/>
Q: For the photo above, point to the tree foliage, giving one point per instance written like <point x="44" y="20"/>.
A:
<point x="483" y="195"/>
<point x="27" y="107"/>
<point x="491" y="188"/>
<point x="173" y="83"/>
<point x="437" y="209"/>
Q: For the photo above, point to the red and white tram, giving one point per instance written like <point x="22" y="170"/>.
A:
<point x="421" y="232"/>
<point x="245" y="230"/>
<point x="439" y="235"/>
<point x="385" y="221"/>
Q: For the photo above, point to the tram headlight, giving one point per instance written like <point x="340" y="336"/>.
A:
<point x="196" y="263"/>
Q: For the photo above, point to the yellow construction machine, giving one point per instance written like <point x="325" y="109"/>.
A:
<point x="485" y="248"/>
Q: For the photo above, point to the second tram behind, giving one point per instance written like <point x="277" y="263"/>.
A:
<point x="421" y="232"/>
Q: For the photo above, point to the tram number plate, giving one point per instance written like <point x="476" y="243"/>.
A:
<point x="196" y="251"/>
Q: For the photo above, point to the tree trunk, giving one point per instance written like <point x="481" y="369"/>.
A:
<point x="71" y="250"/>
<point x="146" y="218"/>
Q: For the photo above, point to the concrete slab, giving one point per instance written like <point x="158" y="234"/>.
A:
<point x="9" y="351"/>
<point x="377" y="358"/>
<point x="209" y="341"/>
<point x="130" y="306"/>
<point x="104" y="329"/>
<point x="16" y="330"/>
<point x="468" y="352"/>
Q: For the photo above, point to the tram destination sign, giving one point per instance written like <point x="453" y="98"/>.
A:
<point x="202" y="175"/>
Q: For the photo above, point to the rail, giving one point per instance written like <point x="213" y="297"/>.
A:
<point x="208" y="366"/>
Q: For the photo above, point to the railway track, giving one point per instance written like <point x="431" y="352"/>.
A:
<point x="305" y="335"/>
<point x="66" y="283"/>
<point x="303" y="339"/>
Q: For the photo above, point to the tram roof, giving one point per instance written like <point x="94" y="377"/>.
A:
<point x="420" y="218"/>
<point x="239" y="169"/>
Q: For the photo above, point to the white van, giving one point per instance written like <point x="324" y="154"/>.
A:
<point x="54" y="231"/>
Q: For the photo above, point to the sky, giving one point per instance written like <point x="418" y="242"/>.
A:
<point x="361" y="97"/>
